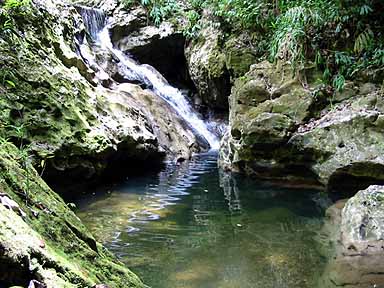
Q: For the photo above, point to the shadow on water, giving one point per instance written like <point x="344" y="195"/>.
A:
<point x="192" y="226"/>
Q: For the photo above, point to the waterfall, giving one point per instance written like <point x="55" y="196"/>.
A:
<point x="95" y="22"/>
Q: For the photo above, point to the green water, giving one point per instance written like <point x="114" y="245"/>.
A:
<point x="191" y="227"/>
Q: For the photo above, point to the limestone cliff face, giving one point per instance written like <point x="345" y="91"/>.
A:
<point x="67" y="115"/>
<point x="283" y="127"/>
<point x="69" y="111"/>
<point x="215" y="61"/>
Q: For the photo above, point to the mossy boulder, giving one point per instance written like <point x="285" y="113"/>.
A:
<point x="57" y="111"/>
<point x="266" y="106"/>
<point x="42" y="239"/>
<point x="60" y="103"/>
<point x="313" y="135"/>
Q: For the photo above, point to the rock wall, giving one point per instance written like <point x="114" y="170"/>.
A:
<point x="215" y="61"/>
<point x="69" y="112"/>
<point x="284" y="127"/>
<point x="42" y="242"/>
<point x="356" y="233"/>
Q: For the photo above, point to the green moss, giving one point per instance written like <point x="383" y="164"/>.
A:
<point x="216" y="64"/>
<point x="71" y="250"/>
<point x="238" y="56"/>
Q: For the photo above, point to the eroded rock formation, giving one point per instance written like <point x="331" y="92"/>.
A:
<point x="284" y="127"/>
<point x="355" y="228"/>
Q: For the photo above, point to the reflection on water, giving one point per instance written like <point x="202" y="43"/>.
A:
<point x="191" y="227"/>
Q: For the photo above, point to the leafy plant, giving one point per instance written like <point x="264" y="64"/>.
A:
<point x="364" y="41"/>
<point x="338" y="82"/>
<point x="158" y="10"/>
<point x="15" y="4"/>
<point x="193" y="27"/>
<point x="8" y="11"/>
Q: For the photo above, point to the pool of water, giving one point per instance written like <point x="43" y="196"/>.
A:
<point x="191" y="226"/>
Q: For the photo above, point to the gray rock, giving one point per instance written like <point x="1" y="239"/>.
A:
<point x="315" y="139"/>
<point x="356" y="235"/>
<point x="207" y="66"/>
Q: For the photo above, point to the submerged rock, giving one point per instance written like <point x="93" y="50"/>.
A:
<point x="357" y="242"/>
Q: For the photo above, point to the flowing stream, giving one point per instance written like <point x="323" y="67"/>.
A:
<point x="191" y="226"/>
<point x="97" y="27"/>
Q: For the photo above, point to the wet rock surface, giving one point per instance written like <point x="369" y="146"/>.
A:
<point x="46" y="245"/>
<point x="285" y="127"/>
<point x="65" y="90"/>
<point x="355" y="230"/>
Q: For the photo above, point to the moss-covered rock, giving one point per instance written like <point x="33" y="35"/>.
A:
<point x="207" y="65"/>
<point x="53" y="108"/>
<point x="266" y="106"/>
<point x="216" y="59"/>
<point x="239" y="54"/>
<point x="43" y="239"/>
<point x="63" y="106"/>
<point x="311" y="134"/>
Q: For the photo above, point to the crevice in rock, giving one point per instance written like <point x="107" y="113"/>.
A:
<point x="343" y="185"/>
<point x="11" y="273"/>
<point x="81" y="175"/>
<point x="347" y="181"/>
<point x="166" y="55"/>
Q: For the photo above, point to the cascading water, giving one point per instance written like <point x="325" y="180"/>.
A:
<point x="177" y="229"/>
<point x="95" y="21"/>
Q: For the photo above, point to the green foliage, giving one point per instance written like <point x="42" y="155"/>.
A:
<point x="289" y="37"/>
<point x="19" y="5"/>
<point x="158" y="10"/>
<point x="8" y="11"/>
<point x="193" y="26"/>
<point x="342" y="37"/>
<point x="364" y="41"/>
<point x="243" y="14"/>
<point x="338" y="82"/>
<point x="7" y="79"/>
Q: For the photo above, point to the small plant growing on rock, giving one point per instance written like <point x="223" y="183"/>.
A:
<point x="8" y="10"/>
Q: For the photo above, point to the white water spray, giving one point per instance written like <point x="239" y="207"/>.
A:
<point x="149" y="76"/>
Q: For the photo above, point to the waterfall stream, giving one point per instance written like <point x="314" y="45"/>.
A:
<point x="191" y="225"/>
<point x="97" y="27"/>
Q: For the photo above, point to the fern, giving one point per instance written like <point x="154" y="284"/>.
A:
<point x="363" y="41"/>
<point x="378" y="57"/>
<point x="193" y="27"/>
<point x="365" y="9"/>
<point x="289" y="39"/>
<point x="339" y="82"/>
